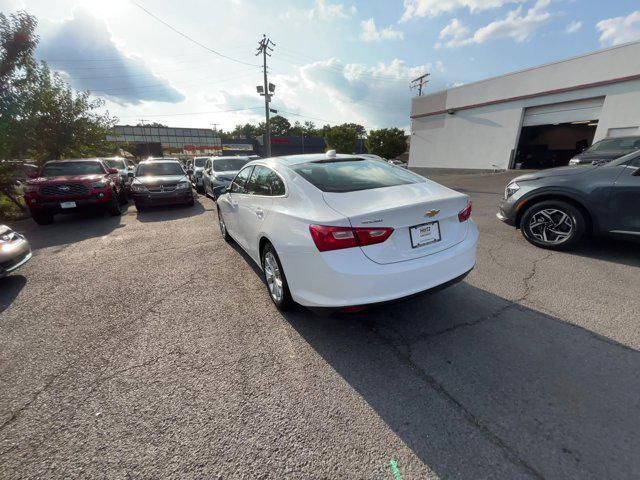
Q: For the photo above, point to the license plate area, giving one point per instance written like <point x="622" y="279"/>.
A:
<point x="425" y="234"/>
<point x="68" y="205"/>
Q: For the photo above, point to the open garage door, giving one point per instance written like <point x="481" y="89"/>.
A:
<point x="565" y="112"/>
<point x="553" y="134"/>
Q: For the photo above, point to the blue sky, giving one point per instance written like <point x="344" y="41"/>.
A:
<point x="335" y="61"/>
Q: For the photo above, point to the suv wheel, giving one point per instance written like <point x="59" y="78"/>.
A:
<point x="276" y="281"/>
<point x="553" y="224"/>
<point x="115" y="208"/>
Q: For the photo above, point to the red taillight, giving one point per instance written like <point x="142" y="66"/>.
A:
<point x="334" y="238"/>
<point x="464" y="215"/>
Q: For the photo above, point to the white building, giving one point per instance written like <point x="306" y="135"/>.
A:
<point x="533" y="118"/>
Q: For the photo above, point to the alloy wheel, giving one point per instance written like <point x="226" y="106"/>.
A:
<point x="274" y="277"/>
<point x="551" y="226"/>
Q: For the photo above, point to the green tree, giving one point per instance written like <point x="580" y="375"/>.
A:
<point x="248" y="130"/>
<point x="387" y="142"/>
<point x="280" y="126"/>
<point x="341" y="138"/>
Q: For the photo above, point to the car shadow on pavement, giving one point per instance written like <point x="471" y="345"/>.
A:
<point x="163" y="213"/>
<point x="610" y="250"/>
<point x="71" y="228"/>
<point x="10" y="287"/>
<point x="478" y="386"/>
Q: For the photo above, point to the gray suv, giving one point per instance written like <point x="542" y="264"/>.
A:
<point x="554" y="208"/>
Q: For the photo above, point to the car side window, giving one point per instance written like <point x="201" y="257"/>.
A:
<point x="239" y="183"/>
<point x="265" y="181"/>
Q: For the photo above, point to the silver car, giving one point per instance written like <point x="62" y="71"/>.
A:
<point x="220" y="172"/>
<point x="123" y="166"/>
<point x="14" y="251"/>
<point x="199" y="164"/>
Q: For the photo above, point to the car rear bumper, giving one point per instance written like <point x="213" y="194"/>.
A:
<point x="347" y="277"/>
<point x="11" y="260"/>
<point x="163" y="198"/>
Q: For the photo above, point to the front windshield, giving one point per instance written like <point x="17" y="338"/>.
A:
<point x="59" y="169"/>
<point x="229" y="164"/>
<point x="616" y="145"/>
<point x="200" y="162"/>
<point x="622" y="160"/>
<point x="112" y="163"/>
<point x="159" y="168"/>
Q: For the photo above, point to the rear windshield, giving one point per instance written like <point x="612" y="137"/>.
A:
<point x="229" y="164"/>
<point x="616" y="144"/>
<point x="71" y="168"/>
<point x="115" y="164"/>
<point x="354" y="174"/>
<point x="200" y="162"/>
<point x="159" y="168"/>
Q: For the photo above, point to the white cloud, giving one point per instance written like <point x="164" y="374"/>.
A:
<point x="431" y="8"/>
<point x="323" y="10"/>
<point x="516" y="25"/>
<point x="335" y="92"/>
<point x="573" y="27"/>
<point x="72" y="44"/>
<point x="617" y="30"/>
<point x="454" y="33"/>
<point x="370" y="32"/>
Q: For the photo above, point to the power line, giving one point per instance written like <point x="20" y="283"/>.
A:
<point x="419" y="83"/>
<point x="192" y="40"/>
<point x="195" y="113"/>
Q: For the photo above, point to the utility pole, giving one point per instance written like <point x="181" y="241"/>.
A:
<point x="419" y="83"/>
<point x="267" y="89"/>
<point x="215" y="136"/>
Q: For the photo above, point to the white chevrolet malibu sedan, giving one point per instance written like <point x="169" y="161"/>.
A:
<point x="345" y="232"/>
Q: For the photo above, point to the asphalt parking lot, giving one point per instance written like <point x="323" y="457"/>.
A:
<point x="146" y="347"/>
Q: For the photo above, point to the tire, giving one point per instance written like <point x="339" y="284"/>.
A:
<point x="123" y="198"/>
<point x="115" y="209"/>
<point x="139" y="207"/>
<point x="42" y="218"/>
<point x="277" y="286"/>
<point x="223" y="228"/>
<point x="200" y="189"/>
<point x="553" y="224"/>
<point x="191" y="202"/>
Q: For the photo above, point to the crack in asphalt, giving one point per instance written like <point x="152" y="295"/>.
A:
<point x="406" y="359"/>
<point x="528" y="280"/>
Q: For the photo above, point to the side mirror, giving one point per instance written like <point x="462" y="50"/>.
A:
<point x="636" y="173"/>
<point x="189" y="171"/>
<point x="217" y="191"/>
<point x="130" y="175"/>
<point x="112" y="171"/>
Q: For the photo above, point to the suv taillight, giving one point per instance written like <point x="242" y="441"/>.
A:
<point x="463" y="215"/>
<point x="334" y="238"/>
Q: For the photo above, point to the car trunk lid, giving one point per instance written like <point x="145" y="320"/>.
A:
<point x="403" y="208"/>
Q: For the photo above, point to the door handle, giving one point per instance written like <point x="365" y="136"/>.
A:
<point x="259" y="212"/>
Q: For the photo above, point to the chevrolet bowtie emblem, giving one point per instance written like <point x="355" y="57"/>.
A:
<point x="432" y="213"/>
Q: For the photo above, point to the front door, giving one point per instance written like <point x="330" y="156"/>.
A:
<point x="231" y="204"/>
<point x="625" y="200"/>
<point x="254" y="209"/>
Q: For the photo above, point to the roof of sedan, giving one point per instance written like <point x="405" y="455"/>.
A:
<point x="76" y="160"/>
<point x="311" y="157"/>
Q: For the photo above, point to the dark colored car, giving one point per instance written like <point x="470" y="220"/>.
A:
<point x="220" y="172"/>
<point x="555" y="208"/>
<point x="607" y="150"/>
<point x="65" y="186"/>
<point x="14" y="251"/>
<point x="159" y="182"/>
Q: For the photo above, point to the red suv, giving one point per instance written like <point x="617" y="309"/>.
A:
<point x="64" y="186"/>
